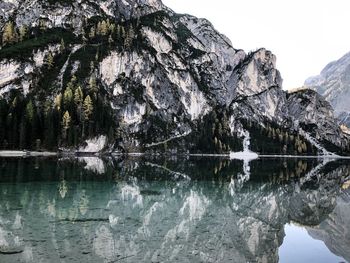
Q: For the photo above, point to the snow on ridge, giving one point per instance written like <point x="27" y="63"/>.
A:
<point x="169" y="139"/>
<point x="94" y="145"/>
<point x="316" y="144"/>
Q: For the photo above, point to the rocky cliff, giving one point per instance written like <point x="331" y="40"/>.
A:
<point x="334" y="84"/>
<point x="147" y="79"/>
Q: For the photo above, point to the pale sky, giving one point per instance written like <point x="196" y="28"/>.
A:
<point x="305" y="35"/>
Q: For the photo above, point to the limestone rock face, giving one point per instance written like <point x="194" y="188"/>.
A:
<point x="316" y="115"/>
<point x="171" y="81"/>
<point x="334" y="84"/>
<point x="256" y="74"/>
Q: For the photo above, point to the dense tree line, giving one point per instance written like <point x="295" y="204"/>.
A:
<point x="272" y="139"/>
<point x="74" y="115"/>
<point x="214" y="134"/>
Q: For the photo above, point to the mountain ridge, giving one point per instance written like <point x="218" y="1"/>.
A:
<point x="334" y="84"/>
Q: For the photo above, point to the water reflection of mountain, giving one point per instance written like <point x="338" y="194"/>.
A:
<point x="138" y="210"/>
<point x="335" y="230"/>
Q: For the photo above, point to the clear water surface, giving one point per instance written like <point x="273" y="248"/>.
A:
<point x="174" y="210"/>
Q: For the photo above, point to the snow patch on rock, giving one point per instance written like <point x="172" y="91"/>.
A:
<point x="246" y="155"/>
<point x="94" y="145"/>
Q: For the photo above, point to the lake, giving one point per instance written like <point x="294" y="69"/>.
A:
<point x="190" y="209"/>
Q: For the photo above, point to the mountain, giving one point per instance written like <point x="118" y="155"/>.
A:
<point x="133" y="76"/>
<point x="334" y="84"/>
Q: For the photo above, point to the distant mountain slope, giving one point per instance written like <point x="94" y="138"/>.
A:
<point x="334" y="84"/>
<point x="136" y="77"/>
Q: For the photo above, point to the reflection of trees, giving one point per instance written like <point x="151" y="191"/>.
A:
<point x="148" y="213"/>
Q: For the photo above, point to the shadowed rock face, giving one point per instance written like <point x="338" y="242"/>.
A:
<point x="316" y="115"/>
<point x="179" y="211"/>
<point x="159" y="88"/>
<point x="334" y="84"/>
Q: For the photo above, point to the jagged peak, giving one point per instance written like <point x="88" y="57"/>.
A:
<point x="28" y="12"/>
<point x="335" y="65"/>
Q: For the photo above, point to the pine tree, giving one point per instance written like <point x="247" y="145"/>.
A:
<point x="220" y="146"/>
<point x="92" y="85"/>
<point x="22" y="135"/>
<point x="92" y="66"/>
<point x="304" y="147"/>
<point x="9" y="34"/>
<point x="30" y="111"/>
<point x="83" y="37"/>
<point x="49" y="60"/>
<point x="42" y="25"/>
<point x="68" y="96"/>
<point x="92" y="32"/>
<point x="47" y="107"/>
<point x="110" y="40"/>
<point x="119" y="32"/>
<point x="108" y="24"/>
<point x="62" y="46"/>
<point x="98" y="28"/>
<point x="88" y="108"/>
<point x="66" y="120"/>
<point x="14" y="102"/>
<point x="112" y="28"/>
<point x="129" y="38"/>
<point x="78" y="101"/>
<point x="78" y="96"/>
<point x="73" y="79"/>
<point x="131" y="32"/>
<point x="122" y="32"/>
<point x="22" y="33"/>
<point x="104" y="28"/>
<point x="58" y="102"/>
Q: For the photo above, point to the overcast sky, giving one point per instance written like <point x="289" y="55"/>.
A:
<point x="305" y="35"/>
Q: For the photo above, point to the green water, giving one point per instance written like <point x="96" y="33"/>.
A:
<point x="174" y="210"/>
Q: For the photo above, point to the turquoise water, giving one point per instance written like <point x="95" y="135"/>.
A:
<point x="174" y="210"/>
